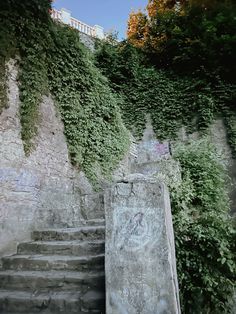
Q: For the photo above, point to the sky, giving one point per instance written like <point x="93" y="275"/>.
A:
<point x="110" y="14"/>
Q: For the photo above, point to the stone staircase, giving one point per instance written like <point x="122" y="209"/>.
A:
<point x="60" y="271"/>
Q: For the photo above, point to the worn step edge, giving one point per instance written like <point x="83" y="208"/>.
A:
<point x="50" y="262"/>
<point x="63" y="280"/>
<point x="68" y="302"/>
<point x="69" y="233"/>
<point x="73" y="247"/>
<point x="24" y="301"/>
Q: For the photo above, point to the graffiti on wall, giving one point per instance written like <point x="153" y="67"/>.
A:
<point x="135" y="229"/>
<point x="156" y="148"/>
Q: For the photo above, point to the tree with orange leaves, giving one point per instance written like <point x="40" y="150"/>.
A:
<point x="155" y="6"/>
<point x="138" y="23"/>
<point x="187" y="34"/>
<point x="161" y="6"/>
<point x="137" y="28"/>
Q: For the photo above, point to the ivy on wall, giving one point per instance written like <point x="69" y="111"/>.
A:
<point x="170" y="99"/>
<point x="53" y="59"/>
<point x="3" y="87"/>
<point x="204" y="235"/>
<point x="95" y="133"/>
<point x="33" y="85"/>
<point x="24" y="32"/>
<point x="7" y="49"/>
<point x="205" y="238"/>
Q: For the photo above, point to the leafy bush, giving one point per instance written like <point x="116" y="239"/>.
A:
<point x="204" y="236"/>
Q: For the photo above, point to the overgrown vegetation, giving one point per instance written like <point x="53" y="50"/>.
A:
<point x="171" y="100"/>
<point x="182" y="83"/>
<point x="175" y="67"/>
<point x="53" y="59"/>
<point x="195" y="40"/>
<point x="204" y="235"/>
<point x="95" y="133"/>
<point x="3" y="87"/>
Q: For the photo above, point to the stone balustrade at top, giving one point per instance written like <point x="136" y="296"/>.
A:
<point x="65" y="17"/>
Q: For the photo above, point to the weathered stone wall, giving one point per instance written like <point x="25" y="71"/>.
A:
<point x="43" y="189"/>
<point x="151" y="154"/>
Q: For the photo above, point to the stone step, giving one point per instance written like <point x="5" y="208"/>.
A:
<point x="74" y="248"/>
<point x="52" y="280"/>
<point x="54" y="302"/>
<point x="83" y="233"/>
<point x="53" y="262"/>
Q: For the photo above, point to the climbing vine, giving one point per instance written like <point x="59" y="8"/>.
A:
<point x="171" y="100"/>
<point x="230" y="122"/>
<point x="52" y="59"/>
<point x="33" y="79"/>
<point x="3" y="87"/>
<point x="95" y="133"/>
<point x="204" y="234"/>
<point x="7" y="49"/>
<point x="24" y="33"/>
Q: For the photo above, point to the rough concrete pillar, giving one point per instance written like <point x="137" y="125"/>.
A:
<point x="99" y="31"/>
<point x="140" y="255"/>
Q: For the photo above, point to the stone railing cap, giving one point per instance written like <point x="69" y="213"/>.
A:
<point x="65" y="10"/>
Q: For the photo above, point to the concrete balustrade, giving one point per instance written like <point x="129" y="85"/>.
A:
<point x="56" y="15"/>
<point x="65" y="17"/>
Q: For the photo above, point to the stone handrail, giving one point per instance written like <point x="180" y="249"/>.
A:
<point x="140" y="264"/>
<point x="82" y="27"/>
<point x="65" y="17"/>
